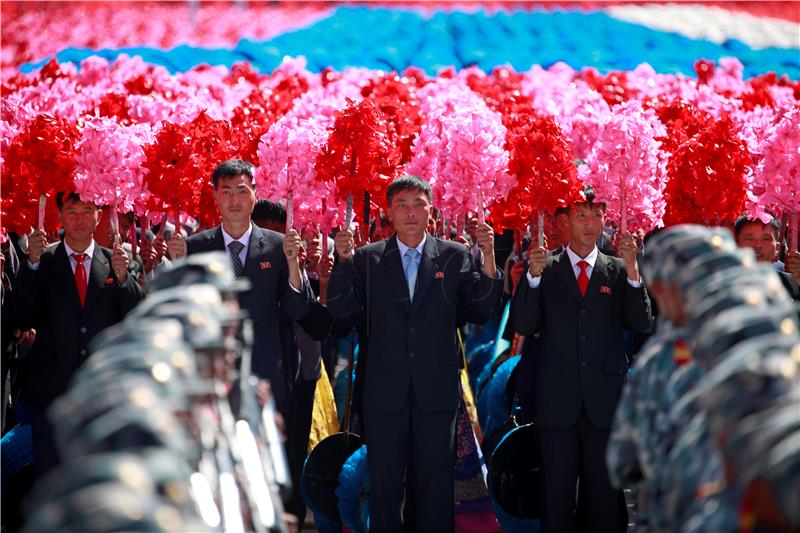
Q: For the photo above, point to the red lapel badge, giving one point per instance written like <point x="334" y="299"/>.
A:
<point x="265" y="265"/>
<point x="109" y="281"/>
<point x="681" y="352"/>
<point x="605" y="290"/>
<point x="438" y="275"/>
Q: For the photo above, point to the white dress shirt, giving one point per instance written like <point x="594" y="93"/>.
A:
<point x="87" y="260"/>
<point x="403" y="247"/>
<point x="574" y="259"/>
<point x="244" y="240"/>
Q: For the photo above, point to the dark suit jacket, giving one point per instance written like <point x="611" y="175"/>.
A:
<point x="582" y="358"/>
<point x="269" y="297"/>
<point x="412" y="344"/>
<point x="47" y="299"/>
<point x="790" y="284"/>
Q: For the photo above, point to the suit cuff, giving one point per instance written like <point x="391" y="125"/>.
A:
<point x="477" y="254"/>
<point x="533" y="282"/>
<point x="303" y="283"/>
<point x="635" y="284"/>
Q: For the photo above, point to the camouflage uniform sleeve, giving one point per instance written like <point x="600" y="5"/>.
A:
<point x="622" y="454"/>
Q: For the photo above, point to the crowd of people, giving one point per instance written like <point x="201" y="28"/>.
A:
<point x="665" y="364"/>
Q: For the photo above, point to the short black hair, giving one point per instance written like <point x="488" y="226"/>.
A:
<point x="232" y="168"/>
<point x="408" y="183"/>
<point x="744" y="220"/>
<point x="588" y="199"/>
<point x="64" y="197"/>
<point x="266" y="210"/>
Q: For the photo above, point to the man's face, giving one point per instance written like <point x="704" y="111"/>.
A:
<point x="669" y="300"/>
<point x="271" y="223"/>
<point x="585" y="224"/>
<point x="124" y="225"/>
<point x="235" y="199"/>
<point x="384" y="232"/>
<point x="761" y="239"/>
<point x="79" y="220"/>
<point x="409" y="212"/>
<point x="104" y="234"/>
<point x="562" y="228"/>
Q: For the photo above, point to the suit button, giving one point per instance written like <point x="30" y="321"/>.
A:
<point x="583" y="311"/>
<point x="583" y="364"/>
<point x="83" y="352"/>
<point x="411" y="355"/>
<point x="410" y="331"/>
<point x="583" y="338"/>
<point x="83" y="329"/>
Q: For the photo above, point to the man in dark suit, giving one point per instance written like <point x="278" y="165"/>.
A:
<point x="580" y="302"/>
<point x="302" y="344"/>
<point x="269" y="260"/>
<point x="106" y="233"/>
<point x="412" y="290"/>
<point x="764" y="239"/>
<point x="68" y="292"/>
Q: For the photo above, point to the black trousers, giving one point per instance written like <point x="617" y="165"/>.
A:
<point x="298" y="423"/>
<point x="578" y="455"/>
<point x="45" y="453"/>
<point x="411" y="444"/>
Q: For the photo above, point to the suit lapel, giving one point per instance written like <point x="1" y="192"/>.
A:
<point x="255" y="249"/>
<point x="392" y="265"/>
<point x="427" y="267"/>
<point x="567" y="275"/>
<point x="100" y="271"/>
<point x="215" y="240"/>
<point x="66" y="277"/>
<point x="599" y="276"/>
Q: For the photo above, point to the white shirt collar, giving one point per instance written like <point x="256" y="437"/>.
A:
<point x="244" y="239"/>
<point x="89" y="250"/>
<point x="575" y="259"/>
<point x="403" y="247"/>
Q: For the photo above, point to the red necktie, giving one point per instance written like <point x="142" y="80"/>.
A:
<point x="80" y="277"/>
<point x="583" y="279"/>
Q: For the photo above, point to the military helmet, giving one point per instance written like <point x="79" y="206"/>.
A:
<point x="213" y="268"/>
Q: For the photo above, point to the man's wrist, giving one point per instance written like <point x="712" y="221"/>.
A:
<point x="533" y="281"/>
<point x="633" y="272"/>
